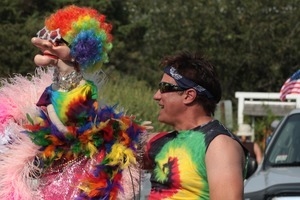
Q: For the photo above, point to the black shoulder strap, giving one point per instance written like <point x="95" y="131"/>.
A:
<point x="215" y="128"/>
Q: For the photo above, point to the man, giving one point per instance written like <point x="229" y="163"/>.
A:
<point x="200" y="159"/>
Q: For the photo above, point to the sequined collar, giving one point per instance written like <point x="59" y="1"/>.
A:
<point x="67" y="82"/>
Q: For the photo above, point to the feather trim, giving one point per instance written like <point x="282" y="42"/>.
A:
<point x="114" y="132"/>
<point x="18" y="170"/>
<point x="31" y="88"/>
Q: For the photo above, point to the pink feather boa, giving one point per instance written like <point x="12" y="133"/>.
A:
<point x="17" y="177"/>
<point x="19" y="94"/>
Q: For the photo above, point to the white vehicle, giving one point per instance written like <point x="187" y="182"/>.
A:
<point x="278" y="175"/>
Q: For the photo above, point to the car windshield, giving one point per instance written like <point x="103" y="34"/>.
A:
<point x="285" y="149"/>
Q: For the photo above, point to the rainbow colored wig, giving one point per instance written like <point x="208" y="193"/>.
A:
<point x="86" y="32"/>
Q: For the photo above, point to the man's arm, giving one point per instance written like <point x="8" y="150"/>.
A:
<point x="225" y="163"/>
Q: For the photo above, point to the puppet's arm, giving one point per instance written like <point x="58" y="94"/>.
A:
<point x="55" y="120"/>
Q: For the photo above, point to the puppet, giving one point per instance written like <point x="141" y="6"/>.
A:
<point x="64" y="145"/>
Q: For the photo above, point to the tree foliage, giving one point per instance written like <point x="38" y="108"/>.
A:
<point x="253" y="44"/>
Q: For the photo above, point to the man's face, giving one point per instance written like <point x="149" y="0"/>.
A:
<point x="171" y="105"/>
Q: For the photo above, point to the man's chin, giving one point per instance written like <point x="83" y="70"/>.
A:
<point x="162" y="120"/>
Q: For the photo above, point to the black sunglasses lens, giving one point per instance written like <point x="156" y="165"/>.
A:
<point x="168" y="87"/>
<point x="163" y="87"/>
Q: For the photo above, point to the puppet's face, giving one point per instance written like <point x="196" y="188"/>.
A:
<point x="52" y="46"/>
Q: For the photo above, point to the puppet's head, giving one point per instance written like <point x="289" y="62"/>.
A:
<point x="85" y="32"/>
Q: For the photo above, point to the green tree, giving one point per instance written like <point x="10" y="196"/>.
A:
<point x="253" y="44"/>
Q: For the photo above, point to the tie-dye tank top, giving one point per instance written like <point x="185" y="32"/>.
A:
<point x="73" y="108"/>
<point x="178" y="160"/>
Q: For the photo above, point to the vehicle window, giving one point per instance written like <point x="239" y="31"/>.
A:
<point x="285" y="149"/>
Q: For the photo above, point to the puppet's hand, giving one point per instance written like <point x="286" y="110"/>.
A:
<point x="147" y="125"/>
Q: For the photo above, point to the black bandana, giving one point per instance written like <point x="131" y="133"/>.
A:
<point x="186" y="83"/>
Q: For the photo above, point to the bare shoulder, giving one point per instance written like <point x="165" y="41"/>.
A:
<point x="225" y="147"/>
<point x="226" y="142"/>
<point x="225" y="151"/>
<point x="225" y="162"/>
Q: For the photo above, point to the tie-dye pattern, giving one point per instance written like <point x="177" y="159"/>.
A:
<point x="178" y="161"/>
<point x="179" y="166"/>
<point x="74" y="107"/>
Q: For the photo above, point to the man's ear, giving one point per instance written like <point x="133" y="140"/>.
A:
<point x="190" y="95"/>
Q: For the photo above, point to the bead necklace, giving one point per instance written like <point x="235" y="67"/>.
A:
<point x="67" y="82"/>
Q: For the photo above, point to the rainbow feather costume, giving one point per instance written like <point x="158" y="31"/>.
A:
<point x="96" y="159"/>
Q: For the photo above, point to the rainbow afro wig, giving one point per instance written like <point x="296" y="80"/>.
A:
<point x="86" y="32"/>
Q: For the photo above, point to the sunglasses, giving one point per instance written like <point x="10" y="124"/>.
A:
<point x="53" y="36"/>
<point x="168" y="87"/>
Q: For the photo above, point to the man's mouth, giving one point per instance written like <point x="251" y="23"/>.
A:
<point x="50" y="55"/>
